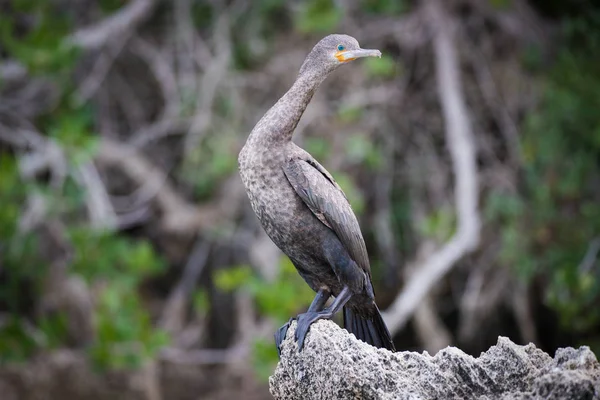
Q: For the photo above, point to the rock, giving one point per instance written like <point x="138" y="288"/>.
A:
<point x="335" y="365"/>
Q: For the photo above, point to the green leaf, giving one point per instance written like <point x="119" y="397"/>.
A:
<point x="317" y="16"/>
<point x="348" y="114"/>
<point x="232" y="278"/>
<point x="264" y="358"/>
<point x="318" y="147"/>
<point x="355" y="196"/>
<point x="201" y="301"/>
<point x="439" y="225"/>
<point x="384" y="67"/>
<point x="501" y="4"/>
<point x="386" y="7"/>
<point x="125" y="337"/>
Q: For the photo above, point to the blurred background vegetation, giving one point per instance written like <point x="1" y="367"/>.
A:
<point x="131" y="265"/>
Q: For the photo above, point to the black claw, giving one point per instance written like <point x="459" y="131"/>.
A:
<point x="280" y="335"/>
<point x="304" y="322"/>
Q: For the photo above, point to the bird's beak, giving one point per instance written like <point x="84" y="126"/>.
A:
<point x="350" y="55"/>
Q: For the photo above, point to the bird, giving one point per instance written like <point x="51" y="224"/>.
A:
<point x="305" y="212"/>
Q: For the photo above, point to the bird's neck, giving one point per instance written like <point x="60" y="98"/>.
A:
<point x="277" y="125"/>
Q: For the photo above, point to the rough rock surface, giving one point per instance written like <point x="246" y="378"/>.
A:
<point x="335" y="365"/>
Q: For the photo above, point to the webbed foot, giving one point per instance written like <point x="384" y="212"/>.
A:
<point x="280" y="335"/>
<point x="304" y="322"/>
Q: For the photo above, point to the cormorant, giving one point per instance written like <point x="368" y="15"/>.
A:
<point x="305" y="212"/>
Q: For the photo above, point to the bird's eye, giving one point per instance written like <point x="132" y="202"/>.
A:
<point x="341" y="47"/>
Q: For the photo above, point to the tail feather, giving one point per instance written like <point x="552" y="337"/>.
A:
<point x="370" y="329"/>
<point x="375" y="339"/>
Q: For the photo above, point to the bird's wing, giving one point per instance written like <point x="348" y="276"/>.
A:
<point x="324" y="197"/>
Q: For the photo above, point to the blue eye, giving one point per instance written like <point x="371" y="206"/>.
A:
<point x="341" y="47"/>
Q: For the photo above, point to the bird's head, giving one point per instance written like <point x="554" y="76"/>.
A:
<point x="333" y="51"/>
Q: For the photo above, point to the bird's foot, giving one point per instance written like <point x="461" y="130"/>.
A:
<point x="280" y="335"/>
<point x="304" y="322"/>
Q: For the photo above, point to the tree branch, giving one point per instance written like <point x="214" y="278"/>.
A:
<point x="178" y="214"/>
<point x="126" y="19"/>
<point x="172" y="316"/>
<point x="462" y="151"/>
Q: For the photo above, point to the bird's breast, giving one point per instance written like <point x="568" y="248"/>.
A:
<point x="276" y="204"/>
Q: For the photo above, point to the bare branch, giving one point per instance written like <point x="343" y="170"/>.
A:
<point x="34" y="213"/>
<point x="493" y="99"/>
<point x="433" y="334"/>
<point x="126" y="19"/>
<point x="178" y="214"/>
<point x="214" y="74"/>
<point x="484" y="291"/>
<point x="12" y="70"/>
<point x="522" y="311"/>
<point x="158" y="130"/>
<point x="205" y="356"/>
<point x="134" y="218"/>
<point x="100" y="210"/>
<point x="45" y="154"/>
<point x="172" y="317"/>
<point x="591" y="256"/>
<point x="462" y="151"/>
<point x="100" y="70"/>
<point x="163" y="73"/>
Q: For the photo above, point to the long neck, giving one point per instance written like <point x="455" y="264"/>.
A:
<point x="278" y="124"/>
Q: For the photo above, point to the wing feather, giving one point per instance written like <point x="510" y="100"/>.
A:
<point x="323" y="196"/>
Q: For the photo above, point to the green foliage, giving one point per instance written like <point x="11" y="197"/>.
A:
<point x="18" y="256"/>
<point x="265" y="19"/>
<point x="401" y="217"/>
<point x="234" y="278"/>
<point x="575" y="295"/>
<point x="532" y="58"/>
<point x="41" y="47"/>
<point x="348" y="114"/>
<point x="264" y="358"/>
<point x="21" y="275"/>
<point x="125" y="336"/>
<point x="317" y="16"/>
<point x="284" y="297"/>
<point x="201" y="302"/>
<point x="106" y="256"/>
<point x="360" y="150"/>
<point x="110" y="6"/>
<point x="387" y="7"/>
<point x="12" y="192"/>
<point x="72" y="131"/>
<point x="280" y="299"/>
<point x="206" y="166"/>
<point x="384" y="67"/>
<point x="548" y="228"/>
<point x="53" y="330"/>
<point x="202" y="14"/>
<point x="501" y="4"/>
<point x="439" y="225"/>
<point x="318" y="147"/>
<point x="354" y="195"/>
<point x="18" y="342"/>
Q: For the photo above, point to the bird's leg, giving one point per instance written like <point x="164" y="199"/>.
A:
<point x="317" y="305"/>
<point x="305" y="320"/>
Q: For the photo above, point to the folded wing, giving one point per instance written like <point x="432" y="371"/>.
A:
<point x="329" y="204"/>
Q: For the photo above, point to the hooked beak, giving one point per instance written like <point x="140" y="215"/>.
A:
<point x="350" y="55"/>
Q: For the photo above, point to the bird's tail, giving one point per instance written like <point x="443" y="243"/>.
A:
<point x="368" y="327"/>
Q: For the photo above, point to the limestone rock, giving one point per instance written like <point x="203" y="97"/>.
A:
<point x="335" y="365"/>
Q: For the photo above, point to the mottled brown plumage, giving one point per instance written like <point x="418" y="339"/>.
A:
<point x="303" y="209"/>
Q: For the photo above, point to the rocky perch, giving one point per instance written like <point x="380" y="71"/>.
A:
<point x="335" y="365"/>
